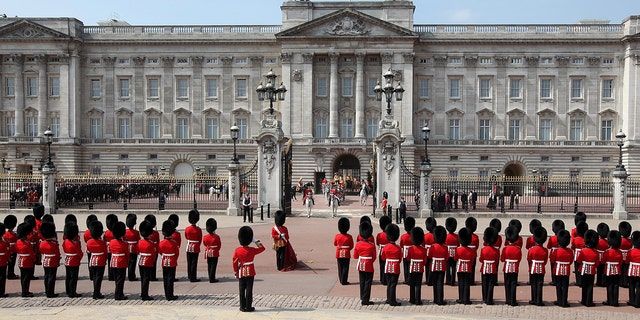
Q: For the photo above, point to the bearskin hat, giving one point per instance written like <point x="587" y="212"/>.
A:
<point x="168" y="228"/>
<point x="152" y="219"/>
<point x="384" y="222"/>
<point x="31" y="220"/>
<point x="47" y="218"/>
<point x="119" y="229"/>
<point x="614" y="239"/>
<point x="591" y="238"/>
<point x="48" y="230"/>
<point x="110" y="220"/>
<point x="417" y="236"/>
<point x="131" y="220"/>
<point x="70" y="218"/>
<point x="603" y="230"/>
<point x="496" y="224"/>
<point x="534" y="224"/>
<point x="393" y="232"/>
<point x="3" y="229"/>
<point x="516" y="224"/>
<point x="409" y="223"/>
<point x="38" y="211"/>
<point x="490" y="236"/>
<point x="366" y="230"/>
<point x="211" y="225"/>
<point x="540" y="235"/>
<point x="564" y="238"/>
<point x="511" y="234"/>
<point x="245" y="235"/>
<point x="464" y="236"/>
<point x="556" y="226"/>
<point x="439" y="235"/>
<point x="635" y="239"/>
<point x="145" y="229"/>
<point x="71" y="230"/>
<point x="451" y="224"/>
<point x="365" y="218"/>
<point x="280" y="217"/>
<point x="581" y="228"/>
<point x="430" y="224"/>
<point x="624" y="227"/>
<point x="472" y="224"/>
<point x="23" y="230"/>
<point x="580" y="216"/>
<point x="90" y="218"/>
<point x="10" y="221"/>
<point x="96" y="229"/>
<point x="344" y="225"/>
<point x="194" y="216"/>
<point x="175" y="218"/>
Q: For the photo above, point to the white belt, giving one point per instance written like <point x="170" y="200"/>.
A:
<point x="560" y="264"/>
<point x="588" y="264"/>
<point x="247" y="263"/>
<point x="392" y="260"/>
<point x="1" y="253"/>
<point x="46" y="255"/>
<point x="191" y="241"/>
<point x="488" y="266"/>
<point x="534" y="263"/>
<point x="118" y="254"/>
<point x="345" y="247"/>
<point x="145" y="254"/>
<point x="610" y="266"/>
<point x="71" y="254"/>
<point x="28" y="255"/>
<point x="438" y="259"/>
<point x="97" y="253"/>
<point x="471" y="247"/>
<point x="211" y="247"/>
<point x="168" y="254"/>
<point x="132" y="242"/>
<point x="365" y="258"/>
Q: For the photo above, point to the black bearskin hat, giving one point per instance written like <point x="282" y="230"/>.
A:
<point x="145" y="229"/>
<point x="451" y="224"/>
<point x="38" y="211"/>
<point x="31" y="220"/>
<point x="439" y="235"/>
<point x="23" y="230"/>
<point x="344" y="225"/>
<point x="581" y="228"/>
<point x="591" y="238"/>
<point x="280" y="217"/>
<point x="624" y="227"/>
<point x="564" y="238"/>
<point x="366" y="230"/>
<point x="496" y="224"/>
<point x="168" y="228"/>
<point x="3" y="229"/>
<point x="110" y="220"/>
<point x="211" y="225"/>
<point x="71" y="230"/>
<point x="511" y="234"/>
<point x="490" y="236"/>
<point x="471" y="224"/>
<point x="409" y="223"/>
<point x="540" y="235"/>
<point x="464" y="236"/>
<point x="10" y="221"/>
<point x="119" y="229"/>
<point x="131" y="220"/>
<point x="90" y="218"/>
<point x="194" y="216"/>
<point x="614" y="239"/>
<point x="70" y="218"/>
<point x="152" y="219"/>
<point x="48" y="230"/>
<point x="245" y="235"/>
<point x="580" y="216"/>
<point x="96" y="229"/>
<point x="384" y="222"/>
<point x="635" y="238"/>
<point x="556" y="226"/>
<point x="393" y="232"/>
<point x="430" y="224"/>
<point x="365" y="218"/>
<point x="516" y="224"/>
<point x="417" y="236"/>
<point x="603" y="230"/>
<point x="175" y="218"/>
<point x="47" y="218"/>
<point x="534" y="224"/>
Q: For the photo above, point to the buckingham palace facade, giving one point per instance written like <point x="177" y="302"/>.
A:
<point x="130" y="99"/>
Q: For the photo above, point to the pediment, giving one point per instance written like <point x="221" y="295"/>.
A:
<point x="211" y="112"/>
<point x="95" y="112"/>
<point x="25" y="29"/>
<point x="546" y="112"/>
<point x="455" y="112"/>
<point x="424" y="113"/>
<point x="485" y="113"/>
<point x="241" y="112"/>
<point x="577" y="112"/>
<point x="346" y="23"/>
<point x="608" y="112"/>
<point x="124" y="112"/>
<point x="152" y="111"/>
<point x="516" y="112"/>
<point x="181" y="111"/>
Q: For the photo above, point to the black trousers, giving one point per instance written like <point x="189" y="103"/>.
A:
<point x="488" y="284"/>
<point x="366" y="280"/>
<point x="343" y="270"/>
<point x="405" y="270"/>
<point x="437" y="279"/>
<point x="427" y="272"/>
<point x="25" y="279"/>
<point x="246" y="214"/>
<point x="168" y="278"/>
<point x="473" y="273"/>
<point x="464" y="287"/>
<point x="383" y="275"/>
<point x="415" y="287"/>
<point x="576" y="268"/>
<point x="192" y="265"/>
<point x="600" y="276"/>
<point x="553" y="275"/>
<point x="392" y="283"/>
<point x="280" y="252"/>
<point x="71" y="280"/>
<point x="510" y="283"/>
<point x="634" y="291"/>
<point x="587" y="289"/>
<point x="613" y="289"/>
<point x="245" y="286"/>
<point x="98" y="275"/>
<point x="212" y="265"/>
<point x="154" y="269"/>
<point x="119" y="274"/>
<point x="145" y="278"/>
<point x="562" y="290"/>
<point x="3" y="279"/>
<point x="451" y="272"/>
<point x="50" y="281"/>
<point x="536" y="281"/>
<point x="90" y="268"/>
<point x="133" y="261"/>
<point x="109" y="269"/>
<point x="624" y="278"/>
<point x="11" y="267"/>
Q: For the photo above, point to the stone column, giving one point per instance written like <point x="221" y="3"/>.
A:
<point x="425" y="191"/>
<point x="387" y="149"/>
<point x="168" y="98"/>
<point x="139" y="98"/>
<point x="20" y="95"/>
<point x="620" y="193"/>
<point x="333" y="96"/>
<point x="271" y="142"/>
<point x="110" y="93"/>
<point x="197" y="104"/>
<point x="234" y="190"/>
<point x="307" y="97"/>
<point x="49" y="188"/>
<point x="360" y="92"/>
<point x="42" y="94"/>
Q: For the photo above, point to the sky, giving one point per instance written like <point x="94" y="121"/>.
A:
<point x="247" y="12"/>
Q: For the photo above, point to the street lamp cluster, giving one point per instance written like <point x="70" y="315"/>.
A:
<point x="426" y="133"/>
<point x="269" y="91"/>
<point x="388" y="90"/>
<point x="620" y="136"/>
<point x="48" y="134"/>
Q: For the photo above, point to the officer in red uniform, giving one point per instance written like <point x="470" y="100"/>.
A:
<point x="177" y="238"/>
<point x="110" y="221"/>
<point x="10" y="237"/>
<point x="405" y="244"/>
<point x="561" y="259"/>
<point x="4" y="261"/>
<point x="370" y="239"/>
<point x="430" y="224"/>
<point x="38" y="213"/>
<point x="556" y="226"/>
<point x="193" y="235"/>
<point x="155" y="238"/>
<point x="518" y="228"/>
<point x="170" y="251"/>
<point x="510" y="257"/>
<point x="119" y="258"/>
<point x="577" y="244"/>
<point x="439" y="254"/>
<point x="392" y="254"/>
<point x="97" y="249"/>
<point x="603" y="245"/>
<point x="625" y="245"/>
<point x="86" y="237"/>
<point x="50" y="251"/>
<point x="417" y="256"/>
<point x="365" y="253"/>
<point x="147" y="256"/>
<point x="381" y="242"/>
<point x="132" y="237"/>
<point x="612" y="261"/>
<point x="464" y="258"/>
<point x="533" y="225"/>
<point x="343" y="242"/>
<point x="308" y="193"/>
<point x="589" y="261"/>
<point x="73" y="255"/>
<point x="537" y="258"/>
<point x="451" y="224"/>
<point x="26" y="257"/>
<point x="496" y="224"/>
<point x="633" y="259"/>
<point x="212" y="247"/>
<point x="280" y="235"/>
<point x="243" y="266"/>
<point x="489" y="258"/>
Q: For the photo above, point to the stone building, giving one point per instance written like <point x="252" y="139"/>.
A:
<point x="126" y="99"/>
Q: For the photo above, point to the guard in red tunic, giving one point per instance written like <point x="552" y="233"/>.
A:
<point x="343" y="242"/>
<point x="370" y="239"/>
<point x="577" y="244"/>
<point x="119" y="258"/>
<point x="110" y="221"/>
<point x="537" y="258"/>
<point x="405" y="244"/>
<point x="73" y="255"/>
<point x="588" y="260"/>
<point x="147" y="257"/>
<point x="381" y="242"/>
<point x="50" y="252"/>
<point x="430" y="224"/>
<point x="510" y="257"/>
<point x="533" y="225"/>
<point x="243" y="266"/>
<point x="10" y="237"/>
<point x="464" y="258"/>
<point x="26" y="257"/>
<point x="556" y="226"/>
<point x="132" y="237"/>
<point x="625" y="245"/>
<point x="86" y="236"/>
<point x="517" y="225"/>
<point x="392" y="254"/>
<point x="365" y="253"/>
<point x="472" y="225"/>
<point x="177" y="238"/>
<point x="97" y="248"/>
<point x="438" y="254"/>
<point x="193" y="235"/>
<point x="561" y="260"/>
<point x="451" y="224"/>
<point x="36" y="238"/>
<point x="612" y="260"/>
<point x="489" y="259"/>
<point x="579" y="217"/>
<point x="4" y="261"/>
<point x="633" y="259"/>
<point x="496" y="224"/>
<point x="170" y="252"/>
<point x="417" y="256"/>
<point x="603" y="245"/>
<point x="155" y="238"/>
<point x="212" y="247"/>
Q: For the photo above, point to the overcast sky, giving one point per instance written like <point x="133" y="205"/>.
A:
<point x="243" y="12"/>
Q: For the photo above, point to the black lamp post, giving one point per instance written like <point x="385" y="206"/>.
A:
<point x="426" y="133"/>
<point x="49" y="136"/>
<point x="537" y="185"/>
<point x="388" y="90"/>
<point x="234" y="135"/>
<point x="269" y="91"/>
<point x="195" y="186"/>
<point x="620" y="136"/>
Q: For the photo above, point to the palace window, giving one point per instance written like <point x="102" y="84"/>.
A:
<point x="124" y="128"/>
<point x="96" y="128"/>
<point x="321" y="87"/>
<point x="454" y="129"/>
<point x="95" y="89"/>
<point x="514" y="130"/>
<point x="485" y="88"/>
<point x="32" y="87"/>
<point x="576" y="89"/>
<point x="544" y="129"/>
<point x="371" y="84"/>
<point x="515" y="88"/>
<point x="241" y="88"/>
<point x="182" y="88"/>
<point x="212" y="88"/>
<point x="124" y="88"/>
<point x="575" y="130"/>
<point x="54" y="87"/>
<point x="347" y="128"/>
<point x="607" y="89"/>
<point x="183" y="128"/>
<point x="372" y="127"/>
<point x="153" y="88"/>
<point x="347" y="86"/>
<point x="454" y="88"/>
<point x="485" y="129"/>
<point x="9" y="86"/>
<point x="321" y="128"/>
<point x="154" y="128"/>
<point x="606" y="130"/>
<point x="55" y="126"/>
<point x="32" y="126"/>
<point x="545" y="88"/>
<point x="211" y="129"/>
<point x="424" y="88"/>
<point x="244" y="129"/>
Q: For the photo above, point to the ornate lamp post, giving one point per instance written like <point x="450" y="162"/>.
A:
<point x="196" y="174"/>
<point x="269" y="91"/>
<point x="425" y="176"/>
<point x="426" y="133"/>
<point x="49" y="136"/>
<point x="620" y="176"/>
<point x="620" y="136"/>
<point x="234" y="136"/>
<point x="388" y="90"/>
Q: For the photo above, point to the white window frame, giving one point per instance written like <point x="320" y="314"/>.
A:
<point x="454" y="88"/>
<point x="321" y="128"/>
<point x="32" y="87"/>
<point x="454" y="129"/>
<point x="153" y="88"/>
<point x="124" y="128"/>
<point x="241" y="88"/>
<point x="371" y="84"/>
<point x="95" y="88"/>
<point x="608" y="89"/>
<point x="423" y="88"/>
<point x="211" y="128"/>
<point x="124" y="86"/>
<point x="346" y="127"/>
<point x="182" y="128"/>
<point x="243" y="127"/>
<point x="545" y="133"/>
<point x="54" y="86"/>
<point x="515" y="128"/>
<point x="95" y="128"/>
<point x="575" y="129"/>
<point x="577" y="88"/>
<point x="153" y="127"/>
<point x="212" y="88"/>
<point x="546" y="93"/>
<point x="9" y="87"/>
<point x="606" y="130"/>
<point x="321" y="87"/>
<point x="515" y="88"/>
<point x="32" y="126"/>
<point x="182" y="88"/>
<point x="55" y="126"/>
<point x="372" y="127"/>
<point x="484" y="90"/>
<point x="484" y="129"/>
<point x="347" y="86"/>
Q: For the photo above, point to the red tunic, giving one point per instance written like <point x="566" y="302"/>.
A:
<point x="177" y="238"/>
<point x="417" y="256"/>
<point x="428" y="241"/>
<point x="108" y="236"/>
<point x="147" y="253"/>
<point x="280" y="235"/>
<point x="496" y="245"/>
<point x="50" y="251"/>
<point x="381" y="241"/>
<point x="577" y="244"/>
<point x="438" y="253"/>
<point x="537" y="258"/>
<point x="193" y="235"/>
<point x="73" y="253"/>
<point x="119" y="253"/>
<point x="343" y="244"/>
<point x="87" y="236"/>
<point x="625" y="246"/>
<point x="131" y="237"/>
<point x="530" y="243"/>
<point x="552" y="244"/>
<point x="562" y="258"/>
<point x="452" y="243"/>
<point x="98" y="250"/>
<point x="242" y="261"/>
<point x="588" y="260"/>
<point x="365" y="252"/>
<point x="359" y="238"/>
<point x="391" y="254"/>
<point x="4" y="253"/>
<point x="405" y="244"/>
<point x="633" y="259"/>
<point x="612" y="260"/>
<point x="518" y="242"/>
<point x="602" y="246"/>
<point x="475" y="242"/>
<point x="169" y="251"/>
<point x="212" y="245"/>
<point x="26" y="254"/>
<point x="464" y="258"/>
<point x="511" y="256"/>
<point x="11" y="237"/>
<point x="490" y="258"/>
